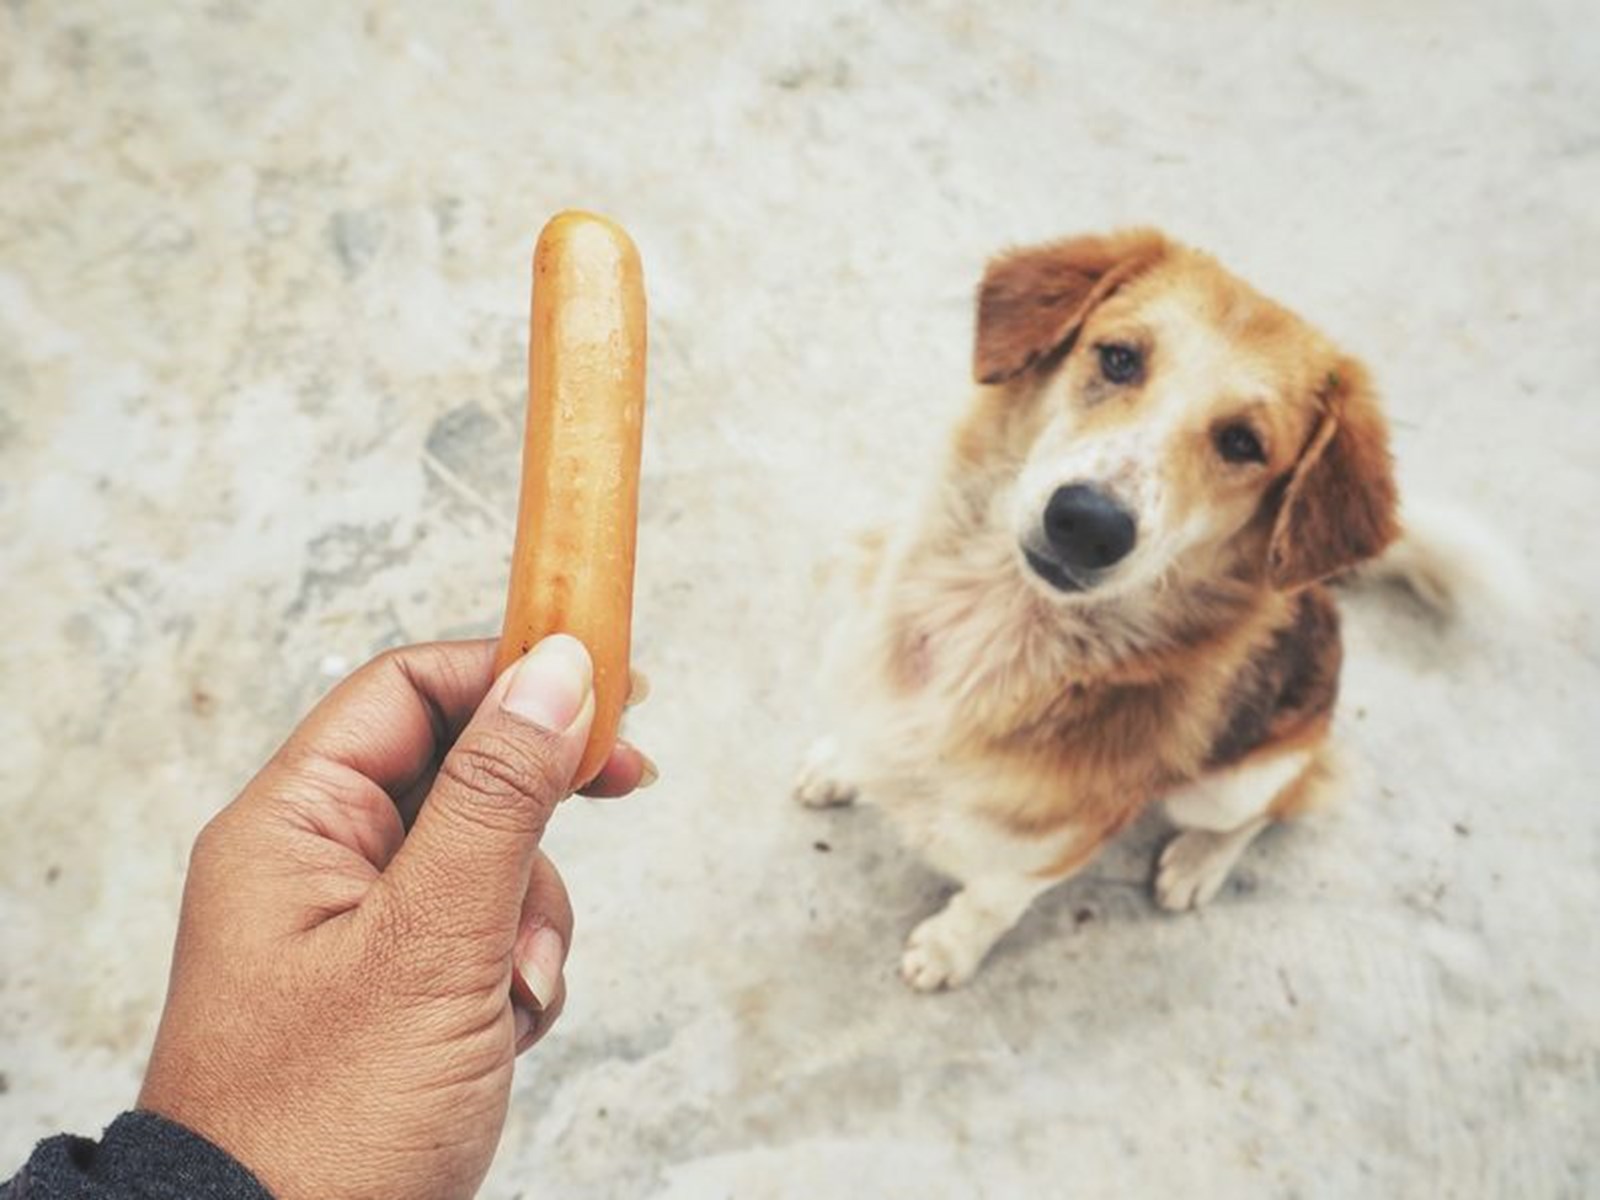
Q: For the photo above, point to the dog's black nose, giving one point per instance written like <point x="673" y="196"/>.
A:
<point x="1088" y="530"/>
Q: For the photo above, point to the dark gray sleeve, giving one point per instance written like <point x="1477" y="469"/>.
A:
<point x="139" y="1157"/>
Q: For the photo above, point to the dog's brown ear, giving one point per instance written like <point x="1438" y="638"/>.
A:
<point x="1031" y="302"/>
<point x="1339" y="507"/>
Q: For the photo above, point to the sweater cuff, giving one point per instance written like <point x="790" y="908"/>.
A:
<point x="182" y="1164"/>
<point x="141" y="1156"/>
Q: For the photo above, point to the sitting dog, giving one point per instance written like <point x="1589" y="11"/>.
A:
<point x="1117" y="594"/>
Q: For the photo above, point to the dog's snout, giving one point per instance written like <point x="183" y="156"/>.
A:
<point x="1087" y="529"/>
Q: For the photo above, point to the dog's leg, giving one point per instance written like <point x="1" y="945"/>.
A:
<point x="819" y="784"/>
<point x="1195" y="864"/>
<point x="1220" y="815"/>
<point x="947" y="948"/>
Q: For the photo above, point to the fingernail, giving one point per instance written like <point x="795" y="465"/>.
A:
<point x="552" y="683"/>
<point x="648" y="771"/>
<point x="523" y="1019"/>
<point x="638" y="688"/>
<point x="541" y="962"/>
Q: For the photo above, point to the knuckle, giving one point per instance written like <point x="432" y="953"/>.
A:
<point x="318" y="792"/>
<point x="514" y="781"/>
<point x="216" y="845"/>
<point x="208" y="844"/>
<point x="307" y="783"/>
<point x="394" y="660"/>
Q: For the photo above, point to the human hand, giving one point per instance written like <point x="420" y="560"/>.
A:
<point x="339" y="1015"/>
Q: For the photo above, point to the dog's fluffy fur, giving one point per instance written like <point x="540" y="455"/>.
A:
<point x="1010" y="725"/>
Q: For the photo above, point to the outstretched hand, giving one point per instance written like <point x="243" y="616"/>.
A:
<point x="339" y="1016"/>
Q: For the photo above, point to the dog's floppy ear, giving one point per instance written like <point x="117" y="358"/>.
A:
<point x="1339" y="506"/>
<point x="1032" y="301"/>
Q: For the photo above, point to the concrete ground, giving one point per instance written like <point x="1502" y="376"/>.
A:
<point x="262" y="309"/>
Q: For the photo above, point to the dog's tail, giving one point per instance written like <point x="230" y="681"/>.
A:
<point x="1453" y="564"/>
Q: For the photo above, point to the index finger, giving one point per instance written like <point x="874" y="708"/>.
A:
<point x="394" y="718"/>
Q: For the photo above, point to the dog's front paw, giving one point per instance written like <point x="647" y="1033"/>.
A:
<point x="941" y="952"/>
<point x="1193" y="868"/>
<point x="818" y="785"/>
<point x="819" y="791"/>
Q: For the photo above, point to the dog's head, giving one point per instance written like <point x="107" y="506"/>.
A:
<point x="1174" y="422"/>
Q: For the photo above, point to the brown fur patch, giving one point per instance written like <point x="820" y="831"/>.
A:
<point x="1339" y="507"/>
<point x="1288" y="685"/>
<point x="1032" y="301"/>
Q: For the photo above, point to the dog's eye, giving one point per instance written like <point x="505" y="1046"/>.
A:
<point x="1239" y="444"/>
<point x="1119" y="363"/>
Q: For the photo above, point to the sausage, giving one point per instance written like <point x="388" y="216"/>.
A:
<point x="577" y="520"/>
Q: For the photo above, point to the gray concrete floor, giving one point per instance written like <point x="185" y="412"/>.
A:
<point x="262" y="308"/>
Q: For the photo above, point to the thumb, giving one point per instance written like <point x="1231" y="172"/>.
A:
<point x="464" y="868"/>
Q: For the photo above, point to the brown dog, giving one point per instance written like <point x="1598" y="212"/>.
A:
<point x="1116" y="596"/>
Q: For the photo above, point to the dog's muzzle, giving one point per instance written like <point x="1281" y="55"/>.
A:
<point x="1085" y="533"/>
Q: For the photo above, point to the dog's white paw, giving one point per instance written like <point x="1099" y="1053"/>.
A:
<point x="818" y="785"/>
<point x="942" y="952"/>
<point x="819" y="791"/>
<point x="1193" y="868"/>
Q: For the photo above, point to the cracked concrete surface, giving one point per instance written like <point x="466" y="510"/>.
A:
<point x="262" y="308"/>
